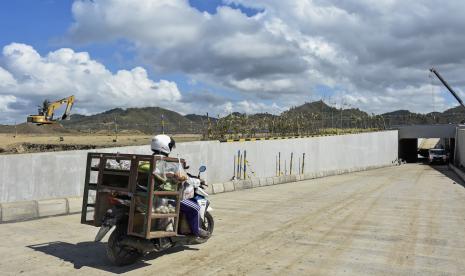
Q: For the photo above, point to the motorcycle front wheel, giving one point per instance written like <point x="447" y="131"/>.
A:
<point x="118" y="254"/>
<point x="208" y="223"/>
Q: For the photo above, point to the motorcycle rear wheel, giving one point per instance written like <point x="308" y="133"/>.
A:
<point x="118" y="254"/>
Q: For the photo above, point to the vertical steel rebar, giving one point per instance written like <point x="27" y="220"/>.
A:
<point x="276" y="165"/>
<point x="303" y="162"/>
<point x="245" y="164"/>
<point x="238" y="164"/>
<point x="234" y="167"/>
<point x="290" y="163"/>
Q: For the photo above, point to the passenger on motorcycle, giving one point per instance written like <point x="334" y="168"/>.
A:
<point x="162" y="145"/>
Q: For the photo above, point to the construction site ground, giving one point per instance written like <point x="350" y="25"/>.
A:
<point x="404" y="220"/>
<point x="29" y="143"/>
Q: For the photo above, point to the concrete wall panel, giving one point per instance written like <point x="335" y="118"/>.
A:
<point x="427" y="131"/>
<point x="460" y="148"/>
<point x="61" y="174"/>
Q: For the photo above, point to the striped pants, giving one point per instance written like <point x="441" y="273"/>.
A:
<point x="191" y="209"/>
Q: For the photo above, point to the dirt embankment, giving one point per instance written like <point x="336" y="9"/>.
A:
<point x="32" y="148"/>
<point x="21" y="143"/>
<point x="26" y="128"/>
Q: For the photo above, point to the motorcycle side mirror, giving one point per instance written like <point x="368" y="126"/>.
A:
<point x="202" y="168"/>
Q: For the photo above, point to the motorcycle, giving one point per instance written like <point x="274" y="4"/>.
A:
<point x="123" y="249"/>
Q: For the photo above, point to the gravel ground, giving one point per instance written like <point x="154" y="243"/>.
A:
<point x="406" y="220"/>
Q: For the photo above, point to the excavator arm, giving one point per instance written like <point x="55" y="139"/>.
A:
<point x="47" y="111"/>
<point x="55" y="105"/>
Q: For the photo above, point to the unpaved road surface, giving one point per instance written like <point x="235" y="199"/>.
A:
<point x="407" y="220"/>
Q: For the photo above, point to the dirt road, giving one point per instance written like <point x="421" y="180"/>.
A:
<point x="406" y="220"/>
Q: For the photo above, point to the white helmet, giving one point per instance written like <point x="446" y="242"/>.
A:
<point x="162" y="144"/>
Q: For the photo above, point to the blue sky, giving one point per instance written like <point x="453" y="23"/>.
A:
<point x="44" y="24"/>
<point x="220" y="56"/>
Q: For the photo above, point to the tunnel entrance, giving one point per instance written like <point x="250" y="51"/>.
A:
<point x="408" y="150"/>
<point x="415" y="141"/>
<point x="411" y="150"/>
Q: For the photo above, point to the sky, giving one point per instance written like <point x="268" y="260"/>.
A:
<point x="220" y="56"/>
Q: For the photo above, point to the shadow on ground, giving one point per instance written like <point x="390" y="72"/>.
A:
<point x="93" y="254"/>
<point x="445" y="171"/>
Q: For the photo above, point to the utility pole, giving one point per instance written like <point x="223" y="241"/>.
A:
<point x="116" y="130"/>
<point x="209" y="126"/>
<point x="162" y="124"/>
<point x="332" y="119"/>
<point x="341" y="115"/>
<point x="322" y="121"/>
<point x="349" y="124"/>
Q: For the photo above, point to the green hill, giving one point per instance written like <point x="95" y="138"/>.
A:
<point x="147" y="120"/>
<point x="308" y="117"/>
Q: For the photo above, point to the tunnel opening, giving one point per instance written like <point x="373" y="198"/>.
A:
<point x="408" y="150"/>
<point x="414" y="150"/>
<point x="416" y="142"/>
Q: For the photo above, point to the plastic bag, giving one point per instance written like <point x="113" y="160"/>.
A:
<point x="170" y="175"/>
<point x="172" y="170"/>
<point x="188" y="191"/>
<point x="121" y="165"/>
<point x="181" y="174"/>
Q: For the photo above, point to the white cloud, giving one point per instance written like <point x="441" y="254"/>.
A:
<point x="423" y="99"/>
<point x="6" y="79"/>
<point x="27" y="78"/>
<point x="169" y="22"/>
<point x="5" y="100"/>
<point x="226" y="48"/>
<point x="262" y="85"/>
<point x="248" y="107"/>
<point x="377" y="51"/>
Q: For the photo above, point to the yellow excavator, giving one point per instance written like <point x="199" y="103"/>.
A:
<point x="47" y="110"/>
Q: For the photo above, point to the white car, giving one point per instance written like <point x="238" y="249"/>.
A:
<point x="437" y="156"/>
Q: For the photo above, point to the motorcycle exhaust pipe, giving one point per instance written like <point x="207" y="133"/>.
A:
<point x="141" y="245"/>
<point x="102" y="232"/>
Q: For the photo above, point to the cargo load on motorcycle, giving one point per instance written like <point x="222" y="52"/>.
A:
<point x="139" y="197"/>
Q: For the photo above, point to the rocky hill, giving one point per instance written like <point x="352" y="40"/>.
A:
<point x="200" y="119"/>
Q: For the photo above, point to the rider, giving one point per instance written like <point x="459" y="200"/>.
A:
<point x="162" y="145"/>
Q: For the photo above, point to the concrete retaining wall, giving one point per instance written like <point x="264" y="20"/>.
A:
<point x="47" y="175"/>
<point x="460" y="148"/>
<point x="27" y="177"/>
